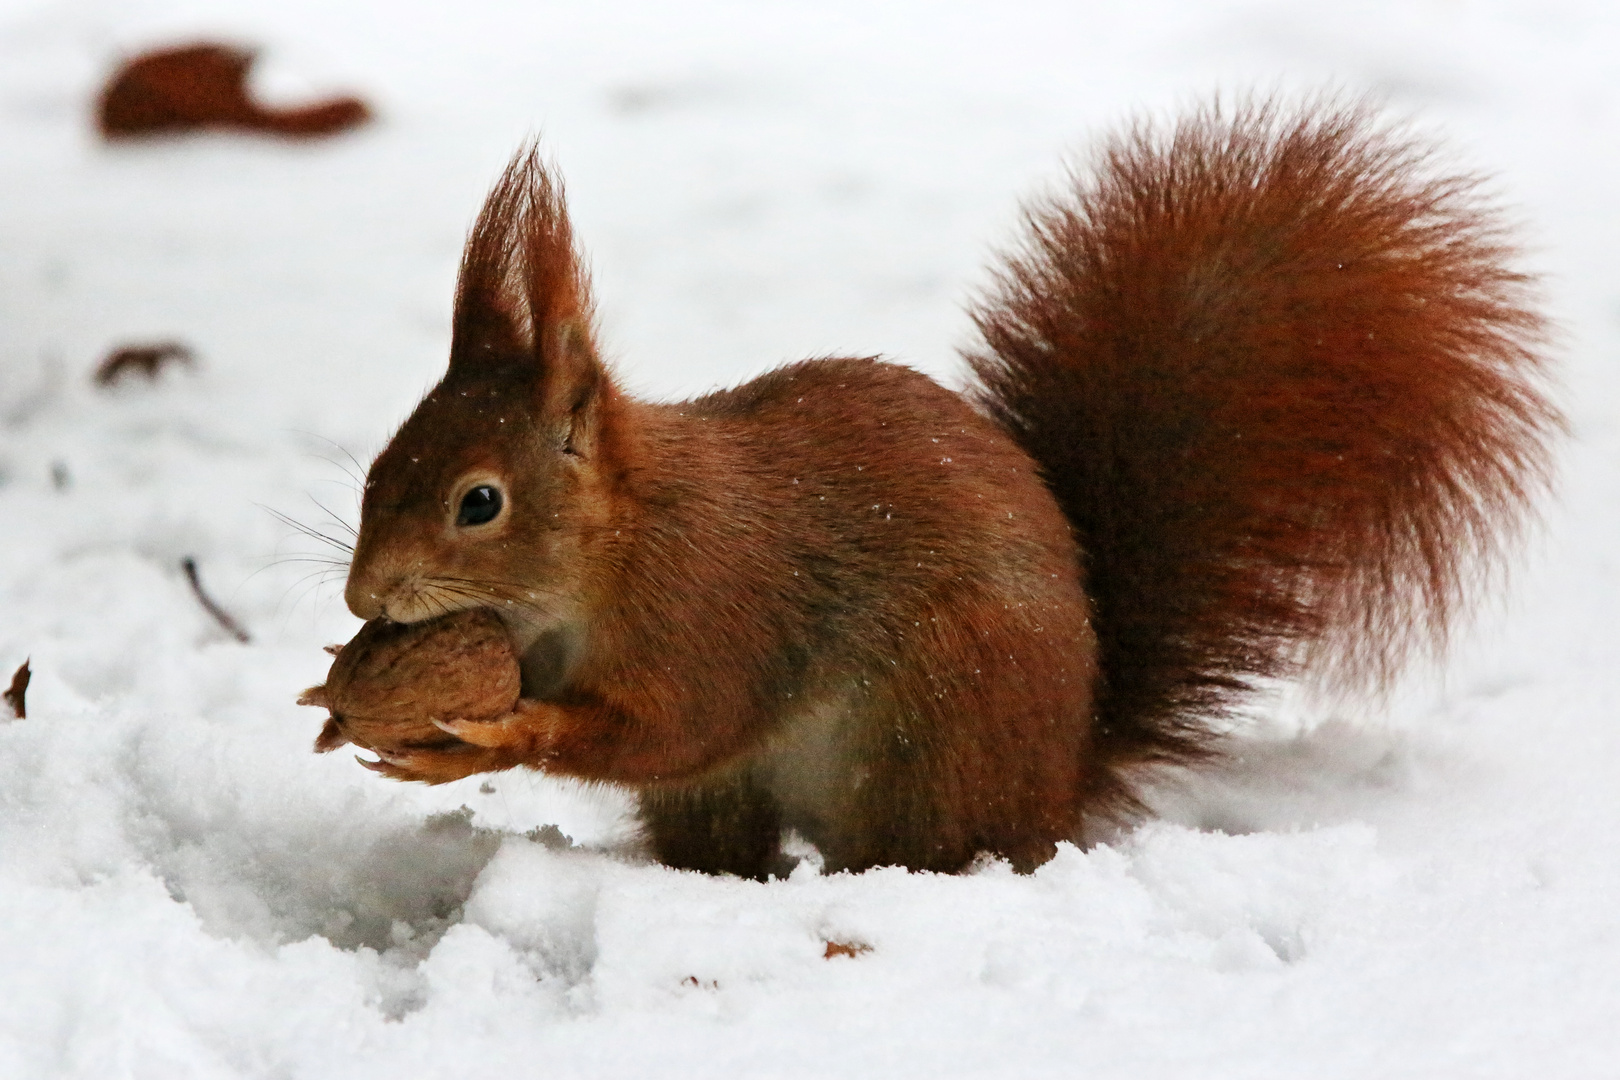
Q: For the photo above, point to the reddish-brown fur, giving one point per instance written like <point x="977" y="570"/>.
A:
<point x="1257" y="393"/>
<point x="1285" y="386"/>
<point x="204" y="85"/>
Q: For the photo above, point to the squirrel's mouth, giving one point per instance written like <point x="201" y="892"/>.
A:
<point x="409" y="599"/>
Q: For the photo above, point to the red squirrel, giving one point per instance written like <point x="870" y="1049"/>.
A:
<point x="1257" y="396"/>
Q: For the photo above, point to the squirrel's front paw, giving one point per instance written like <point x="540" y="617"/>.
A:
<point x="521" y="737"/>
<point x="435" y="764"/>
<point x="526" y="733"/>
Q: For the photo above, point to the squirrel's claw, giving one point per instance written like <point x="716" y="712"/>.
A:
<point x="317" y="696"/>
<point x="385" y="767"/>
<point x="396" y="766"/>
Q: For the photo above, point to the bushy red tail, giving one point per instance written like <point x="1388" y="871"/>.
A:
<point x="1288" y="392"/>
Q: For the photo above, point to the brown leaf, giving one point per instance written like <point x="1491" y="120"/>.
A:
<point x="16" y="696"/>
<point x="147" y="361"/>
<point x="839" y="948"/>
<point x="204" y="85"/>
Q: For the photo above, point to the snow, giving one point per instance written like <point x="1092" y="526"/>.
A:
<point x="1422" y="888"/>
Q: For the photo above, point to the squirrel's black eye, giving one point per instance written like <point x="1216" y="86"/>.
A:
<point x="479" y="506"/>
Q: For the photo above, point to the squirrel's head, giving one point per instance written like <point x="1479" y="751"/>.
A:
<point x="498" y="490"/>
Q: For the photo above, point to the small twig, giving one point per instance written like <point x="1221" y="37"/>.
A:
<point x="16" y="696"/>
<point x="232" y="627"/>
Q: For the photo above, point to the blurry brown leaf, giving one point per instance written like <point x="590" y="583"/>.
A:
<point x="204" y="85"/>
<point x="839" y="948"/>
<point x="16" y="697"/>
<point x="144" y="360"/>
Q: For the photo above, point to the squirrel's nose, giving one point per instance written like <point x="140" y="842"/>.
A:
<point x="365" y="593"/>
<point x="364" y="603"/>
<point x="379" y="586"/>
<point x="376" y="577"/>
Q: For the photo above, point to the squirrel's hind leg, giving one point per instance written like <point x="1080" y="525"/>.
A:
<point x="729" y="826"/>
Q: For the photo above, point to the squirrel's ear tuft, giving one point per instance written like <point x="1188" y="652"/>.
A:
<point x="523" y="298"/>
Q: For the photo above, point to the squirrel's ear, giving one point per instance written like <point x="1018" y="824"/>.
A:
<point x="523" y="299"/>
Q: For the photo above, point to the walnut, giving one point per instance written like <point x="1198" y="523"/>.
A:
<point x="391" y="682"/>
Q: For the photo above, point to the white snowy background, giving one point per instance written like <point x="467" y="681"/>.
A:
<point x="1426" y="888"/>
